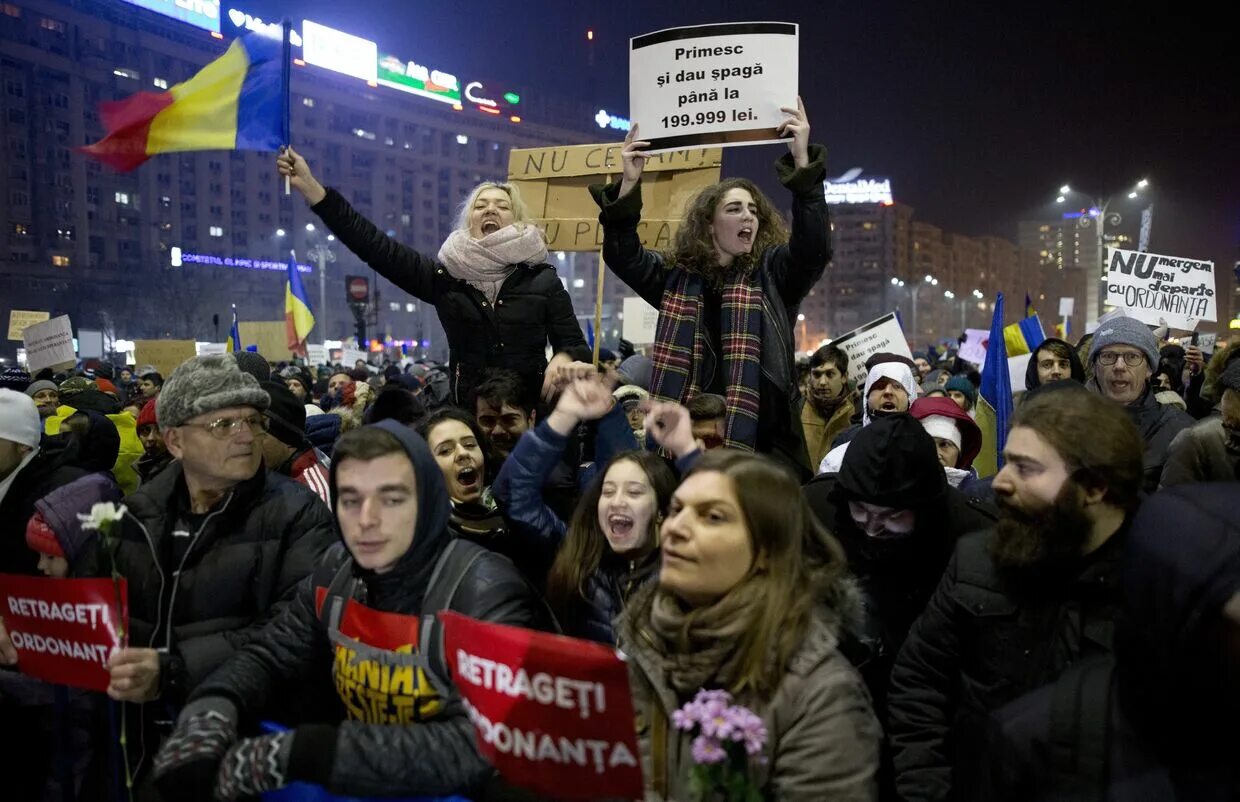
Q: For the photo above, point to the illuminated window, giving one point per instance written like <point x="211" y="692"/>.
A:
<point x="124" y="72"/>
<point x="10" y="10"/>
<point x="216" y="231"/>
<point x="122" y="198"/>
<point x="20" y="229"/>
<point x="60" y="261"/>
<point x="395" y="307"/>
<point x="308" y="102"/>
<point x="160" y="82"/>
<point x="461" y="139"/>
<point x="53" y="25"/>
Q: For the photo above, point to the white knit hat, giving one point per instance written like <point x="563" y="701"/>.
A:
<point x="19" y="419"/>
<point x="942" y="426"/>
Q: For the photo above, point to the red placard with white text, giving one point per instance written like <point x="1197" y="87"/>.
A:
<point x="553" y="715"/>
<point x="64" y="630"/>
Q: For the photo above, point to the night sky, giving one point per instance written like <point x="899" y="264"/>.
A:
<point x="977" y="115"/>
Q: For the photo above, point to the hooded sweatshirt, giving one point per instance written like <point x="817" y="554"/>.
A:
<point x="883" y="370"/>
<point x="1031" y="371"/>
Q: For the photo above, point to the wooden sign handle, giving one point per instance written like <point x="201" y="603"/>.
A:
<point x="598" y="299"/>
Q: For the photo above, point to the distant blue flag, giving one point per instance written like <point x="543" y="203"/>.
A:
<point x="234" y="334"/>
<point x="995" y="407"/>
<point x="1029" y="310"/>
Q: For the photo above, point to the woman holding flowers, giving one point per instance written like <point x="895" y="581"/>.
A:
<point x="740" y="688"/>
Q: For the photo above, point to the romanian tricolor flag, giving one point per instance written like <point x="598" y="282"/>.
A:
<point x="1029" y="310"/>
<point x="994" y="398"/>
<point x="298" y="319"/>
<point x="237" y="102"/>
<point x="1024" y="337"/>
<point x="234" y="334"/>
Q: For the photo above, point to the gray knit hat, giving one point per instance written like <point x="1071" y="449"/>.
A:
<point x="1125" y="331"/>
<point x="205" y="384"/>
<point x="40" y="386"/>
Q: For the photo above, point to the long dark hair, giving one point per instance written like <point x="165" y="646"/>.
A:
<point x="438" y="416"/>
<point x="584" y="544"/>
<point x="694" y="247"/>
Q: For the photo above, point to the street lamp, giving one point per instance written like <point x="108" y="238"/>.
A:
<point x="310" y="227"/>
<point x="279" y="232"/>
<point x="322" y="256"/>
<point x="1099" y="211"/>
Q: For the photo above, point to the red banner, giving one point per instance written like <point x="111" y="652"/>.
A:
<point x="64" y="630"/>
<point x="553" y="715"/>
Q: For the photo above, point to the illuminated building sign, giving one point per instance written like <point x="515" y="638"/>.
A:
<point x="246" y="22"/>
<point x="862" y="190"/>
<point x="203" y="14"/>
<point x="474" y="94"/>
<point x="339" y="51"/>
<point x="181" y="258"/>
<point x="409" y="76"/>
<point x="606" y="120"/>
<point x="1082" y="213"/>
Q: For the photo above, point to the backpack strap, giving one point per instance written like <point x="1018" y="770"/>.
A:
<point x="450" y="569"/>
<point x="334" y="601"/>
<point x="1080" y="730"/>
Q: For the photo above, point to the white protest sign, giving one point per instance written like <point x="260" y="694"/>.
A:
<point x="720" y="84"/>
<point x="1090" y="328"/>
<point x="350" y="357"/>
<point x="211" y="349"/>
<point x="1017" y="365"/>
<point x="973" y="349"/>
<point x="883" y="334"/>
<point x="90" y="344"/>
<point x="1066" y="306"/>
<point x="1152" y="288"/>
<point x="1206" y="343"/>
<point x="316" y="354"/>
<point x="49" y="344"/>
<point x="640" y="320"/>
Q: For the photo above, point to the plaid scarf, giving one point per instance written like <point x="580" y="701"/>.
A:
<point x="679" y="343"/>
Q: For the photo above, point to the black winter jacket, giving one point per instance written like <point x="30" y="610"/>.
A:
<point x="984" y="639"/>
<point x="433" y="753"/>
<point x="54" y="466"/>
<point x="786" y="273"/>
<point x="240" y="569"/>
<point x="1158" y="425"/>
<point x="532" y="309"/>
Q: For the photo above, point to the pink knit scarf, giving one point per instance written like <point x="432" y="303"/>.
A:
<point x="485" y="263"/>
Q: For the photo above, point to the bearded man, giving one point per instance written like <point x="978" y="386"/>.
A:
<point x="1018" y="604"/>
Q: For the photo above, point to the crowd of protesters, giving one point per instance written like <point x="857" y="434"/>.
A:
<point x="905" y="628"/>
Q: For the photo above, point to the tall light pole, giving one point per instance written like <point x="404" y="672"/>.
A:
<point x="322" y="256"/>
<point x="1100" y="215"/>
<point x="928" y="280"/>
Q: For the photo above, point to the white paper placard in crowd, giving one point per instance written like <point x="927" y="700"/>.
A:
<point x="1065" y="306"/>
<point x="1017" y="365"/>
<point x="211" y="349"/>
<point x="316" y="354"/>
<point x="883" y="334"/>
<point x="90" y="344"/>
<point x="640" y="321"/>
<point x="973" y="349"/>
<point x="1090" y="328"/>
<point x="49" y="344"/>
<point x="719" y="84"/>
<point x="1206" y="343"/>
<point x="1152" y="288"/>
<point x="350" y="357"/>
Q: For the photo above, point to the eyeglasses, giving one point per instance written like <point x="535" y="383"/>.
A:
<point x="225" y="428"/>
<point x="1131" y="359"/>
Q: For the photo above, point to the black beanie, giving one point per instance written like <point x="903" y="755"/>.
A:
<point x="254" y="364"/>
<point x="287" y="415"/>
<point x="892" y="463"/>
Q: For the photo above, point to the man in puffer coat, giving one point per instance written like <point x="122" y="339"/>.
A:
<point x="365" y="619"/>
<point x="213" y="546"/>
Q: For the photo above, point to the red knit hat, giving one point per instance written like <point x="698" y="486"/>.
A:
<point x="41" y="538"/>
<point x="147" y="416"/>
<point x="105" y="386"/>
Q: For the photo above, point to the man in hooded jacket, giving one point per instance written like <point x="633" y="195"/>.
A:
<point x="1156" y="720"/>
<point x="889" y="390"/>
<point x="898" y="520"/>
<point x="412" y="741"/>
<point x="1053" y="360"/>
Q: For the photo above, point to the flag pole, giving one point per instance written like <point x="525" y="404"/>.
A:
<point x="286" y="72"/>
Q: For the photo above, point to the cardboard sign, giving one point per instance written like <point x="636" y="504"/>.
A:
<point x="49" y="344"/>
<point x="271" y="337"/>
<point x="1154" y="288"/>
<point x="973" y="349"/>
<point x="1065" y="306"/>
<point x="20" y="320"/>
<point x="316" y="354"/>
<point x="64" y="630"/>
<point x="721" y="84"/>
<point x="165" y="355"/>
<point x="883" y="334"/>
<point x="554" y="185"/>
<point x="640" y="321"/>
<point x="554" y="715"/>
